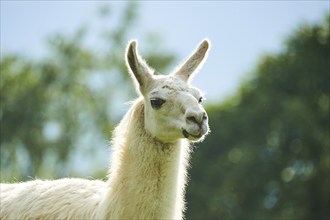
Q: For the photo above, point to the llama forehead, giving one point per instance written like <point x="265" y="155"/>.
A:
<point x="171" y="86"/>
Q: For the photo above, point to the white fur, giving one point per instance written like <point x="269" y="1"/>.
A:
<point x="147" y="175"/>
<point x="58" y="199"/>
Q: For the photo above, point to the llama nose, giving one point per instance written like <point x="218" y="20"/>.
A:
<point x="196" y="117"/>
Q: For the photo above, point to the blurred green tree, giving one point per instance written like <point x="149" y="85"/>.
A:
<point x="55" y="106"/>
<point x="268" y="154"/>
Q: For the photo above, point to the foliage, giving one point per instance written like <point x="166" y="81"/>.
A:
<point x="266" y="158"/>
<point x="57" y="106"/>
<point x="268" y="154"/>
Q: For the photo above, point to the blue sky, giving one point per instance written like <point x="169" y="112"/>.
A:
<point x="240" y="31"/>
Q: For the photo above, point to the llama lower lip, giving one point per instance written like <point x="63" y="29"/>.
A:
<point x="186" y="134"/>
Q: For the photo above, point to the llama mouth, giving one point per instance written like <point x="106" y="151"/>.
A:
<point x="186" y="134"/>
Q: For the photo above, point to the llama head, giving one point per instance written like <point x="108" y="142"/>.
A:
<point x="173" y="107"/>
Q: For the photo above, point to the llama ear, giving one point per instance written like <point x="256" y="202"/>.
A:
<point x="187" y="70"/>
<point x="138" y="67"/>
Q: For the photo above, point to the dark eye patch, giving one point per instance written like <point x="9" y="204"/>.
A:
<point x="200" y="100"/>
<point x="156" y="103"/>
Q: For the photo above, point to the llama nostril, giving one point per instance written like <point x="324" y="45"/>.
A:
<point x="192" y="119"/>
<point x="204" y="116"/>
<point x="197" y="118"/>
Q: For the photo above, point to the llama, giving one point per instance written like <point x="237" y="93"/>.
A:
<point x="151" y="149"/>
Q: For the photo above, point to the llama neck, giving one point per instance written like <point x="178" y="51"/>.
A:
<point x="147" y="177"/>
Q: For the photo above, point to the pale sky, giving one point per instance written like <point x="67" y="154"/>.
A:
<point x="240" y="31"/>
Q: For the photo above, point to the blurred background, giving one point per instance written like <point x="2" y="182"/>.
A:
<point x="64" y="86"/>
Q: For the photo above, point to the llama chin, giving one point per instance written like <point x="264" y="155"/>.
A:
<point x="150" y="155"/>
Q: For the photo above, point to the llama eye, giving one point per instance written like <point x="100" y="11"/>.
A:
<point x="200" y="100"/>
<point x="157" y="103"/>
